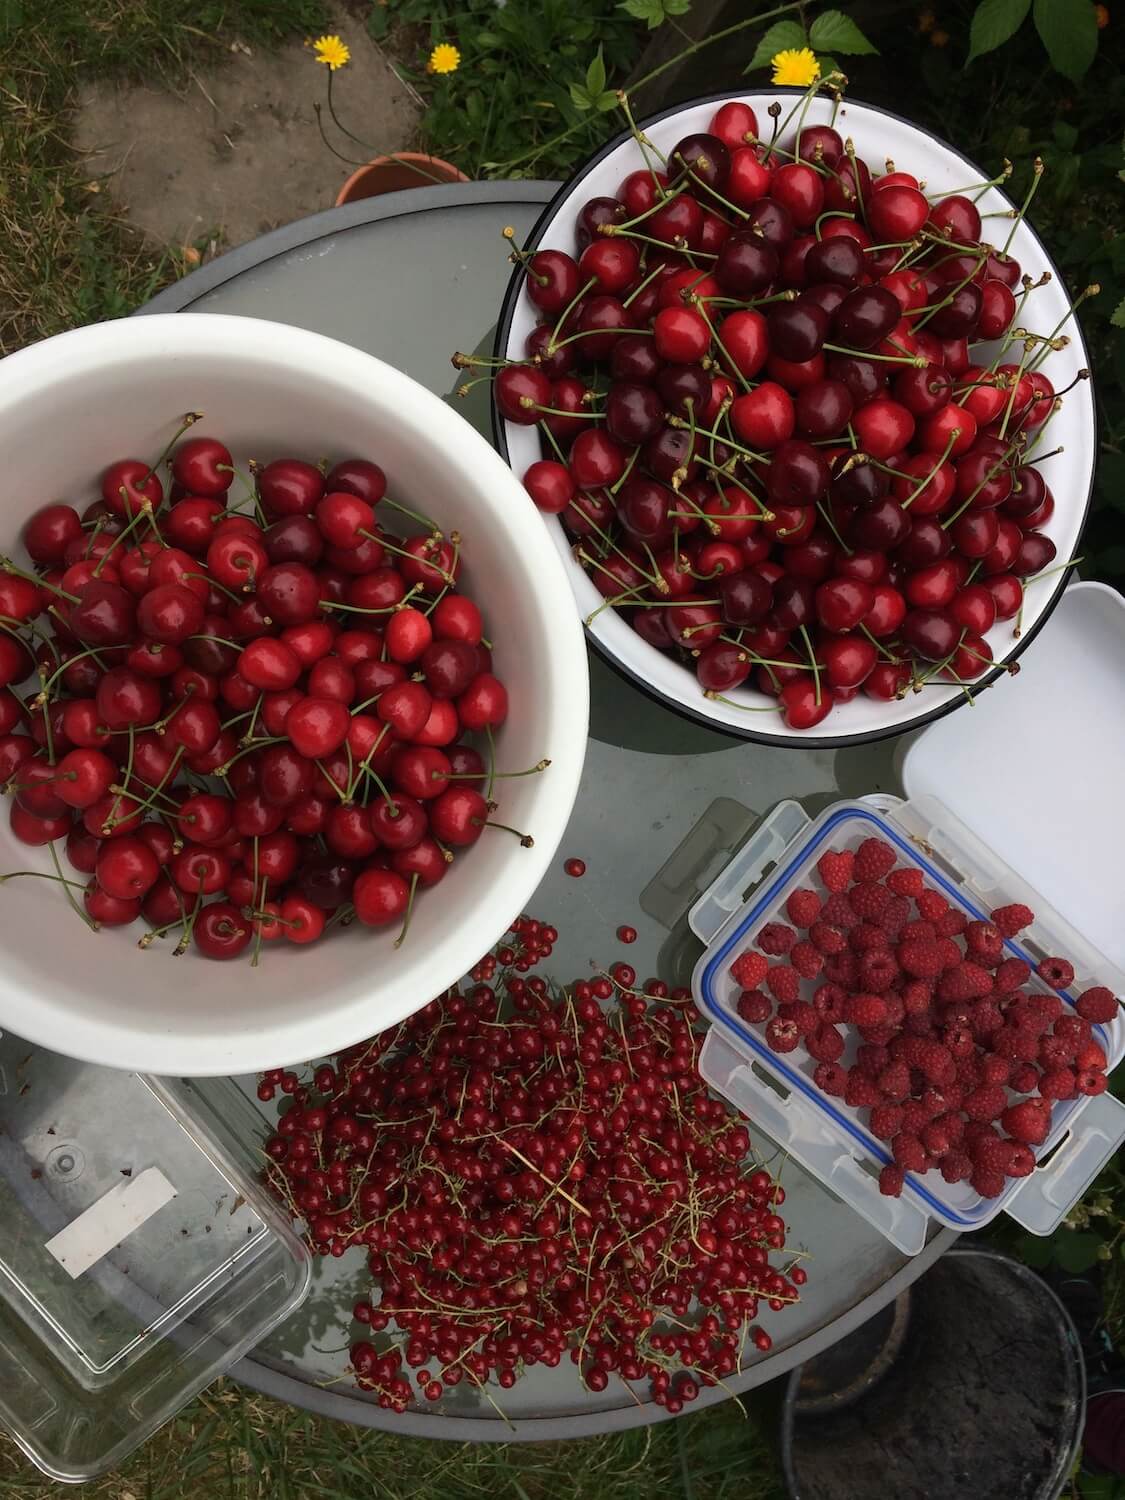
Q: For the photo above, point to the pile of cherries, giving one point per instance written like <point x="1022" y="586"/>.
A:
<point x="930" y="1022"/>
<point x="537" y="1174"/>
<point x="249" y="717"/>
<point x="768" y="425"/>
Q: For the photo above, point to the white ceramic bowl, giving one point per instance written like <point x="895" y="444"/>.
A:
<point x="877" y="135"/>
<point x="74" y="403"/>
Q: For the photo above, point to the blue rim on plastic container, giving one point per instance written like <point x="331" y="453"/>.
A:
<point x="730" y="1021"/>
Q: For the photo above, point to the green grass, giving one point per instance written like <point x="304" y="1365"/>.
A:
<point x="231" y="1444"/>
<point x="66" y="258"/>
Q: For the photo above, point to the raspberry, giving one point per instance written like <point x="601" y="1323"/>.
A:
<point x="986" y="1102"/>
<point x="896" y="1011"/>
<point x="873" y="859"/>
<point x="927" y="960"/>
<point x="968" y="981"/>
<point x="828" y="939"/>
<point x="984" y="942"/>
<point x="894" y="916"/>
<point x="1073" y="1028"/>
<point x="931" y="905"/>
<point x="783" y="982"/>
<point x="865" y="1010"/>
<point x="754" y="1006"/>
<point x="917" y="998"/>
<point x="894" y="1080"/>
<point x="1025" y="1078"/>
<point x="1046" y="1008"/>
<point x="885" y="1121"/>
<point x="995" y="1069"/>
<point x="969" y="1074"/>
<point x="835" y="869"/>
<point x="987" y="1020"/>
<point x="935" y="1140"/>
<point x="1013" y="919"/>
<point x="987" y="1184"/>
<point x="871" y="1059"/>
<point x="842" y="968"/>
<point x="958" y="1041"/>
<point x="1011" y="975"/>
<point x="782" y="1036"/>
<point x="776" y="939"/>
<point x="909" y="1152"/>
<point x="1055" y="1052"/>
<point x="749" y="969"/>
<point x="1057" y="972"/>
<point x="906" y="882"/>
<point x="802" y="907"/>
<point x="1019" y="1043"/>
<point x="825" y="1044"/>
<point x="915" y="1116"/>
<point x="868" y="937"/>
<point x="977" y="1131"/>
<point x="1028" y="1121"/>
<point x="838" y="910"/>
<point x="879" y="1036"/>
<point x="891" y="1180"/>
<point x="935" y="1062"/>
<point x="830" y="1001"/>
<point x="861" y="1092"/>
<point x="940" y="1100"/>
<point x="954" y="1126"/>
<point x="956" y="1167"/>
<point x="878" y="971"/>
<point x="992" y="1152"/>
<point x="803" y="1016"/>
<point x="951" y="923"/>
<point x="1058" y="1083"/>
<point x="1021" y="1161"/>
<point x="868" y="898"/>
<point x="1098" y="1005"/>
<point x="1091" y="1081"/>
<point x="1089" y="1055"/>
<point x="830" y="1078"/>
<point x="807" y="961"/>
<point x="918" y="931"/>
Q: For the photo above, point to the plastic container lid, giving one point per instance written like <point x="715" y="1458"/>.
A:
<point x="1034" y="767"/>
<point x="138" y="1262"/>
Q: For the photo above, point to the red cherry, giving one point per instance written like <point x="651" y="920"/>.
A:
<point x="203" y="466"/>
<point x="842" y="603"/>
<point x="550" y="486"/>
<point x="128" y="484"/>
<point x="317" y="726"/>
<point x="765" y="417"/>
<point x="221" y="931"/>
<point x="458" y="816"/>
<point x="107" y="910"/>
<point x="735" y="124"/>
<point x="49" y="531"/>
<point x="380" y="897"/>
<point x="126" y="868"/>
<point x="803" y="705"/>
<point x="883" y="427"/>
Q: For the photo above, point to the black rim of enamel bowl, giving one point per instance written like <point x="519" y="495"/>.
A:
<point x="808" y="739"/>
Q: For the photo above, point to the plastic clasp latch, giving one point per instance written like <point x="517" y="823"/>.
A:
<point x="1051" y="1191"/>
<point x="727" y="892"/>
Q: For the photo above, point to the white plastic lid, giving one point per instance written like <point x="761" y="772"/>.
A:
<point x="1034" y="766"/>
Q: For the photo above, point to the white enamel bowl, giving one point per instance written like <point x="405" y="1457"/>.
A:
<point x="74" y="403"/>
<point x="877" y="135"/>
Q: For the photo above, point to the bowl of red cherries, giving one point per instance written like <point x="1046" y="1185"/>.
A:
<point x="293" y="700"/>
<point x="804" y="405"/>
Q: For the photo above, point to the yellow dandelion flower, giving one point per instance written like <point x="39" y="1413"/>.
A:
<point x="796" y="65"/>
<point x="332" y="52"/>
<point x="445" y="58"/>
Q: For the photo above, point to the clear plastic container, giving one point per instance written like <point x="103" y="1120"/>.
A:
<point x="828" y="1137"/>
<point x="138" y="1261"/>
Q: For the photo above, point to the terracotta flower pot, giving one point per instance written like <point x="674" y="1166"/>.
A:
<point x="393" y="174"/>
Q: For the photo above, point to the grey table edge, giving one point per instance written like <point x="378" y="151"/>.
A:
<point x="320" y="1400"/>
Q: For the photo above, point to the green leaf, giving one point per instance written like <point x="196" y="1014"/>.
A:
<point x="994" y="21"/>
<point x="595" y="74"/>
<point x="654" y="12"/>
<point x="829" y="65"/>
<point x="1035" y="1251"/>
<point x="1065" y="135"/>
<point x="1069" y="31"/>
<point x="1077" y="1251"/>
<point x="833" y="29"/>
<point x="1117" y="316"/>
<point x="781" y="36"/>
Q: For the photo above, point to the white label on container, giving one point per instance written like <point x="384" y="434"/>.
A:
<point x="107" y="1222"/>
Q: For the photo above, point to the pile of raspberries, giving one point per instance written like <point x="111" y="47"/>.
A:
<point x="951" y="1034"/>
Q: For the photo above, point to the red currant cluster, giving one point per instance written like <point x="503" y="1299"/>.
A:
<point x="251" y="716"/>
<point x="769" y="425"/>
<point x="951" y="1037"/>
<point x="534" y="1175"/>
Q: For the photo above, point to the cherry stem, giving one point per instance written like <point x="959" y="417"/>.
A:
<point x="80" y="910"/>
<point x="552" y="344"/>
<point x="187" y="421"/>
<point x="525" y="839"/>
<point x="9" y="566"/>
<point x="826" y="516"/>
<point x="1036" y="177"/>
<point x="409" y="911"/>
